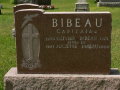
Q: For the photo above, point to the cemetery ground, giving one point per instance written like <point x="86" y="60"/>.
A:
<point x="7" y="42"/>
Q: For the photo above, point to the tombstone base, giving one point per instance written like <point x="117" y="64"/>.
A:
<point x="14" y="81"/>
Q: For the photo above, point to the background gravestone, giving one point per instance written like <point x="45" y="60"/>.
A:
<point x="81" y="5"/>
<point x="39" y="2"/>
<point x="109" y="3"/>
<point x="44" y="2"/>
<point x="63" y="42"/>
<point x="22" y="1"/>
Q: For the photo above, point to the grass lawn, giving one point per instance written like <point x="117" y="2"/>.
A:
<point x="7" y="42"/>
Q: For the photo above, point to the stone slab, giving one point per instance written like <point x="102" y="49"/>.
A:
<point x="108" y="4"/>
<point x="109" y="0"/>
<point x="14" y="81"/>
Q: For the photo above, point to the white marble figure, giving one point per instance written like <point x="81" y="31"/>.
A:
<point x="30" y="44"/>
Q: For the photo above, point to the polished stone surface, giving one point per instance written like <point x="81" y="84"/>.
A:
<point x="63" y="42"/>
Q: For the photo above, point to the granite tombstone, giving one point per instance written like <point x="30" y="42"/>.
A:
<point x="81" y="5"/>
<point x="63" y="42"/>
<point x="40" y="2"/>
<point x="43" y="2"/>
<point x="22" y="1"/>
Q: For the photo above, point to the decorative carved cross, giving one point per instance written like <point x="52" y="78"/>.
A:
<point x="29" y="35"/>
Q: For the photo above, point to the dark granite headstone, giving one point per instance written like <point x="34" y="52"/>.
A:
<point x="39" y="2"/>
<point x="44" y="2"/>
<point x="22" y="1"/>
<point x="63" y="42"/>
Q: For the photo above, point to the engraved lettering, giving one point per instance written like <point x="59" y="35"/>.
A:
<point x="69" y="23"/>
<point x="77" y="23"/>
<point x="62" y="24"/>
<point x="54" y="22"/>
<point x="100" y="23"/>
<point x="88" y="23"/>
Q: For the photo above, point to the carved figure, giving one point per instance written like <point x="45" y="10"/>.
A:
<point x="30" y="44"/>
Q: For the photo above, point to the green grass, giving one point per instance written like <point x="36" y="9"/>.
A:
<point x="7" y="42"/>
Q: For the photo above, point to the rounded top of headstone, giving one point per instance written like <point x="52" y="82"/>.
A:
<point x="30" y="10"/>
<point x="28" y="4"/>
<point x="25" y="6"/>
